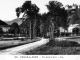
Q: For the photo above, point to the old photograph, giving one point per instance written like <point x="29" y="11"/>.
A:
<point x="39" y="27"/>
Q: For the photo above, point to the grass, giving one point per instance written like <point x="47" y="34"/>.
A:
<point x="56" y="48"/>
<point x="12" y="43"/>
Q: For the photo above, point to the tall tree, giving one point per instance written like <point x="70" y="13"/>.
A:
<point x="45" y="24"/>
<point x="57" y="15"/>
<point x="30" y="11"/>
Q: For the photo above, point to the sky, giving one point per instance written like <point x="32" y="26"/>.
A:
<point x="7" y="7"/>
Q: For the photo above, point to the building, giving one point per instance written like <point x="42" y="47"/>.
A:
<point x="72" y="26"/>
<point x="5" y="28"/>
<point x="62" y="29"/>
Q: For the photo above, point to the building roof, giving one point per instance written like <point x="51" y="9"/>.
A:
<point x="72" y="26"/>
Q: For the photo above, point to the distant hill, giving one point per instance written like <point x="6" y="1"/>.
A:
<point x="17" y="20"/>
<point x="3" y="23"/>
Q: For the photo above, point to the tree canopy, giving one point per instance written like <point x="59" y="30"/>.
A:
<point x="58" y="13"/>
<point x="28" y="9"/>
<point x="43" y="23"/>
<point x="14" y="29"/>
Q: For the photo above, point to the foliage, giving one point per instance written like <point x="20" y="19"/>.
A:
<point x="73" y="14"/>
<point x="43" y="23"/>
<point x="62" y="43"/>
<point x="1" y="31"/>
<point x="3" y="23"/>
<point x="54" y="7"/>
<point x="14" y="29"/>
<point x="58" y="13"/>
<point x="30" y="12"/>
<point x="28" y="8"/>
<point x="56" y="48"/>
<point x="18" y="11"/>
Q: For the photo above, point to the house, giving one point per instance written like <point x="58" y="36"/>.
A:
<point x="72" y="26"/>
<point x="74" y="29"/>
<point x="10" y="29"/>
<point x="62" y="29"/>
<point x="5" y="28"/>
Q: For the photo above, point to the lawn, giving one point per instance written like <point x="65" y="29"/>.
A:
<point x="4" y="44"/>
<point x="56" y="48"/>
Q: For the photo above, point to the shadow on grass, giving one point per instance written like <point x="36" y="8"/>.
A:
<point x="65" y="43"/>
<point x="55" y="47"/>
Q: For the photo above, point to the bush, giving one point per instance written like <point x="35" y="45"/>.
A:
<point x="62" y="43"/>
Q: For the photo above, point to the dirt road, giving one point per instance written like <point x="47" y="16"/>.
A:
<point x="18" y="50"/>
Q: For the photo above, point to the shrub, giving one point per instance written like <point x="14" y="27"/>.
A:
<point x="63" y="43"/>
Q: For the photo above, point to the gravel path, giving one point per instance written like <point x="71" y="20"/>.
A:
<point x="18" y="50"/>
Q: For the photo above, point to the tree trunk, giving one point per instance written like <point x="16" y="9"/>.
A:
<point x="41" y="29"/>
<point x="52" y="31"/>
<point x="34" y="29"/>
<point x="31" y="29"/>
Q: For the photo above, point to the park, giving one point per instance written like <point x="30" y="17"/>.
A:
<point x="56" y="32"/>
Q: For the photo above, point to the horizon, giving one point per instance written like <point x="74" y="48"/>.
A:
<point x="7" y="11"/>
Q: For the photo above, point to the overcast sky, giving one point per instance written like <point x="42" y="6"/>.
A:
<point x="7" y="7"/>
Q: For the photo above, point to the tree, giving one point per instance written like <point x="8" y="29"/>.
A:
<point x="75" y="31"/>
<point x="1" y="31"/>
<point x="14" y="29"/>
<point x="30" y="11"/>
<point x="18" y="11"/>
<point x="73" y="14"/>
<point x="3" y="23"/>
<point x="43" y="24"/>
<point x="57" y="15"/>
